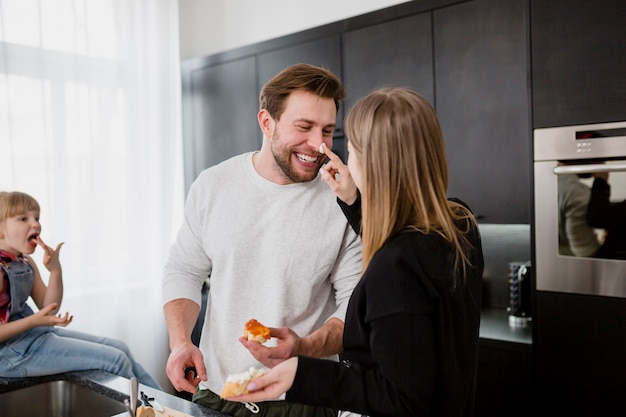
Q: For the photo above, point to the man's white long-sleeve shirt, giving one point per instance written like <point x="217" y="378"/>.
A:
<point x="282" y="254"/>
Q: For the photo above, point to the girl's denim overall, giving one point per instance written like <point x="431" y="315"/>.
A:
<point x="50" y="350"/>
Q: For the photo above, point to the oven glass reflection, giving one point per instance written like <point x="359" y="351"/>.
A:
<point x="592" y="211"/>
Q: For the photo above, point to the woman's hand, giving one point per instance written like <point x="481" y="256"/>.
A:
<point x="273" y="384"/>
<point x="343" y="185"/>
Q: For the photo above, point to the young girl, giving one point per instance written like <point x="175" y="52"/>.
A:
<point x="410" y="342"/>
<point x="33" y="344"/>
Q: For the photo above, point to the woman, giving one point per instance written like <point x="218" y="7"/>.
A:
<point x="411" y="330"/>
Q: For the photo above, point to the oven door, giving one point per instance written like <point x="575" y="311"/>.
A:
<point x="560" y="270"/>
<point x="573" y="264"/>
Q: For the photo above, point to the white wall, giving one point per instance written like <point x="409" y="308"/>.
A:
<point x="211" y="26"/>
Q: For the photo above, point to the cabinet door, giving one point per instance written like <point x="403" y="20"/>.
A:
<point x="504" y="380"/>
<point x="580" y="354"/>
<point x="578" y="61"/>
<point x="394" y="53"/>
<point x="481" y="92"/>
<point x="324" y="52"/>
<point x="220" y="104"/>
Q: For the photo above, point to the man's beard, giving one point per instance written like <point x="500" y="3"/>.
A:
<point x="282" y="158"/>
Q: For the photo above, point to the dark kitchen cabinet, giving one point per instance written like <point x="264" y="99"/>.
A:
<point x="578" y="61"/>
<point x="482" y="98"/>
<point x="324" y="52"/>
<point x="504" y="377"/>
<point x="580" y="354"/>
<point x="394" y="53"/>
<point x="469" y="59"/>
<point x="220" y="105"/>
<point x="503" y="383"/>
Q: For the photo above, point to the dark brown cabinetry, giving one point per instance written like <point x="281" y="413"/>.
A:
<point x="481" y="93"/>
<point x="504" y="380"/>
<point x="220" y="104"/>
<point x="394" y="53"/>
<point x="580" y="354"/>
<point x="578" y="61"/>
<point x="470" y="59"/>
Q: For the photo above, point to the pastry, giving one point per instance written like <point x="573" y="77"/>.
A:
<point x="253" y="330"/>
<point x="237" y="384"/>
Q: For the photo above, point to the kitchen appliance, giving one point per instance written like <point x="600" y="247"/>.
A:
<point x="576" y="151"/>
<point x="579" y="306"/>
<point x="520" y="310"/>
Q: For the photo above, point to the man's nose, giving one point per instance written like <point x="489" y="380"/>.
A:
<point x="316" y="138"/>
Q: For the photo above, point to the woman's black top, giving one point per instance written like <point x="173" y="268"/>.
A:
<point x="411" y="337"/>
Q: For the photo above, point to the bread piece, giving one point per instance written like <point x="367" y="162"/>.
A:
<point x="253" y="330"/>
<point x="237" y="384"/>
<point x="145" y="412"/>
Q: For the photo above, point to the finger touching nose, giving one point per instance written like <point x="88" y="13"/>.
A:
<point x="315" y="140"/>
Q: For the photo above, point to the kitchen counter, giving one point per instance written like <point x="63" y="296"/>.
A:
<point x="111" y="386"/>
<point x="494" y="330"/>
<point x="494" y="325"/>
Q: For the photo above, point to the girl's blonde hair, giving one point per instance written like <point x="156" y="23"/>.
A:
<point x="396" y="135"/>
<point x="14" y="203"/>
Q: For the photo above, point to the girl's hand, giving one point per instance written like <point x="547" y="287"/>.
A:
<point x="273" y="384"/>
<point x="50" y="256"/>
<point x="343" y="185"/>
<point x="44" y="317"/>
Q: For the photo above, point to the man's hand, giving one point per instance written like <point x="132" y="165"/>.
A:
<point x="287" y="346"/>
<point x="180" y="360"/>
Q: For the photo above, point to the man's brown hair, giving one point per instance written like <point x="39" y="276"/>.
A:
<point x="310" y="78"/>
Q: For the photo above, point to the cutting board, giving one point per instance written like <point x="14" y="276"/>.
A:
<point x="167" y="412"/>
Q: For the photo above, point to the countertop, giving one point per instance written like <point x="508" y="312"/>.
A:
<point x="111" y="386"/>
<point x="494" y="328"/>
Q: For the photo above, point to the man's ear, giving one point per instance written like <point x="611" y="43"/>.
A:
<point x="266" y="122"/>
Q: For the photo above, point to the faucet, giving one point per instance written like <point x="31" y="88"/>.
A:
<point x="131" y="405"/>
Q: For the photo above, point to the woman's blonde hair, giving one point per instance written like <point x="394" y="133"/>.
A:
<point x="396" y="135"/>
<point x="14" y="203"/>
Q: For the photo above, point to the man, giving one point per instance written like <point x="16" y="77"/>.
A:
<point x="276" y="245"/>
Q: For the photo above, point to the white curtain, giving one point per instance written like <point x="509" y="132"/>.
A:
<point x="90" y="127"/>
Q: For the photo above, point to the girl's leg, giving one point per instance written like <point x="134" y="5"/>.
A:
<point x="138" y="371"/>
<point x="62" y="350"/>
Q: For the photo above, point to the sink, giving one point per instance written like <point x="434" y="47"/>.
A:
<point x="58" y="399"/>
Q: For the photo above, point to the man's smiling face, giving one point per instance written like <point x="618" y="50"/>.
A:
<point x="306" y="122"/>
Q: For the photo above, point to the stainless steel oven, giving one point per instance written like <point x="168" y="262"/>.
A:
<point x="580" y="225"/>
